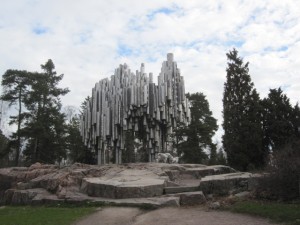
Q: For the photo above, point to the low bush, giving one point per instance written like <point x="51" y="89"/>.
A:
<point x="282" y="178"/>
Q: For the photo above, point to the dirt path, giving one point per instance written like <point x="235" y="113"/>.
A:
<point x="168" y="216"/>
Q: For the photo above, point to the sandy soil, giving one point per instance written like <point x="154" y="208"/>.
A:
<point x="168" y="216"/>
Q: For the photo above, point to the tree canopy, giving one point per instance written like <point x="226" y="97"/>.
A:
<point x="243" y="133"/>
<point x="39" y="119"/>
<point x="195" y="141"/>
<point x="45" y="124"/>
<point x="252" y="127"/>
<point x="281" y="120"/>
<point x="16" y="84"/>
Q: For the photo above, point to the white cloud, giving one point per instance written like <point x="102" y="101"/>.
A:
<point x="87" y="40"/>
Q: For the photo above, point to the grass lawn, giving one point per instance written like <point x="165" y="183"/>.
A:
<point x="277" y="212"/>
<point x="42" y="215"/>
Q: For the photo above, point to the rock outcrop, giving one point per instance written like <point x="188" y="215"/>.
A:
<point x="225" y="184"/>
<point x="141" y="184"/>
<point x="130" y="183"/>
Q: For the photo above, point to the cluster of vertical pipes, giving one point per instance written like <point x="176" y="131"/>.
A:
<point x="129" y="101"/>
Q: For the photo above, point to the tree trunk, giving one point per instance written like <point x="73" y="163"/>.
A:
<point x="36" y="151"/>
<point x="18" y="131"/>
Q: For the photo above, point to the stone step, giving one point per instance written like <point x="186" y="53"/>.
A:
<point x="126" y="184"/>
<point x="156" y="202"/>
<point x="190" y="198"/>
<point x="199" y="172"/>
<point x="180" y="189"/>
<point x="223" y="184"/>
<point x="40" y="196"/>
<point x="141" y="184"/>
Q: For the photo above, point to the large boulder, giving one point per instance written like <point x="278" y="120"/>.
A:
<point x="192" y="198"/>
<point x="156" y="184"/>
<point x="202" y="171"/>
<point x="129" y="183"/>
<point x="224" y="184"/>
<point x="23" y="197"/>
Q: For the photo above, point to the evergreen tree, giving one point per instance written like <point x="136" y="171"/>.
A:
<point x="296" y="120"/>
<point x="77" y="151"/>
<point x="279" y="120"/>
<point x="213" y="157"/>
<point x="243" y="134"/>
<point x="196" y="139"/>
<point x="84" y="104"/>
<point x="45" y="127"/>
<point x="221" y="158"/>
<point x="4" y="150"/>
<point x="15" y="85"/>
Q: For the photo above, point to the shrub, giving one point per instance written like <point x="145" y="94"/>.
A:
<point x="282" y="180"/>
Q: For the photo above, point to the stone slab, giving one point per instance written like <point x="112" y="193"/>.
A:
<point x="157" y="202"/>
<point x="199" y="172"/>
<point x="80" y="183"/>
<point x="126" y="184"/>
<point x="180" y="189"/>
<point x="223" y="184"/>
<point x="192" y="198"/>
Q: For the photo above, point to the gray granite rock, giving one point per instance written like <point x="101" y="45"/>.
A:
<point x="126" y="184"/>
<point x="199" y="172"/>
<point x="192" y="198"/>
<point x="243" y="194"/>
<point x="223" y="184"/>
<point x="23" y="197"/>
<point x="138" y="183"/>
<point x="180" y="189"/>
<point x="214" y="205"/>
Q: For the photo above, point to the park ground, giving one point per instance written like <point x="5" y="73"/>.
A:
<point x="242" y="212"/>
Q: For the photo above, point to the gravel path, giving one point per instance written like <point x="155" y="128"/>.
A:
<point x="168" y="216"/>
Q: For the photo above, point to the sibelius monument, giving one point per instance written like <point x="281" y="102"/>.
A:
<point x="129" y="101"/>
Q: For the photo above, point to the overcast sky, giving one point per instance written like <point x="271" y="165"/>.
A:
<point x="88" y="39"/>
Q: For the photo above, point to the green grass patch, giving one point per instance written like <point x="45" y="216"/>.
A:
<point x="277" y="212"/>
<point x="43" y="215"/>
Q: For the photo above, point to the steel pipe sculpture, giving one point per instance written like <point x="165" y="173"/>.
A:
<point x="129" y="101"/>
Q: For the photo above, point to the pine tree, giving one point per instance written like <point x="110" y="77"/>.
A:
<point x="196" y="139"/>
<point x="280" y="120"/>
<point x="45" y="127"/>
<point x="77" y="151"/>
<point x="221" y="158"/>
<point x="15" y="85"/>
<point x="217" y="156"/>
<point x="296" y="120"/>
<point x="243" y="134"/>
<point x="213" y="157"/>
<point x="84" y="104"/>
<point x="4" y="150"/>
